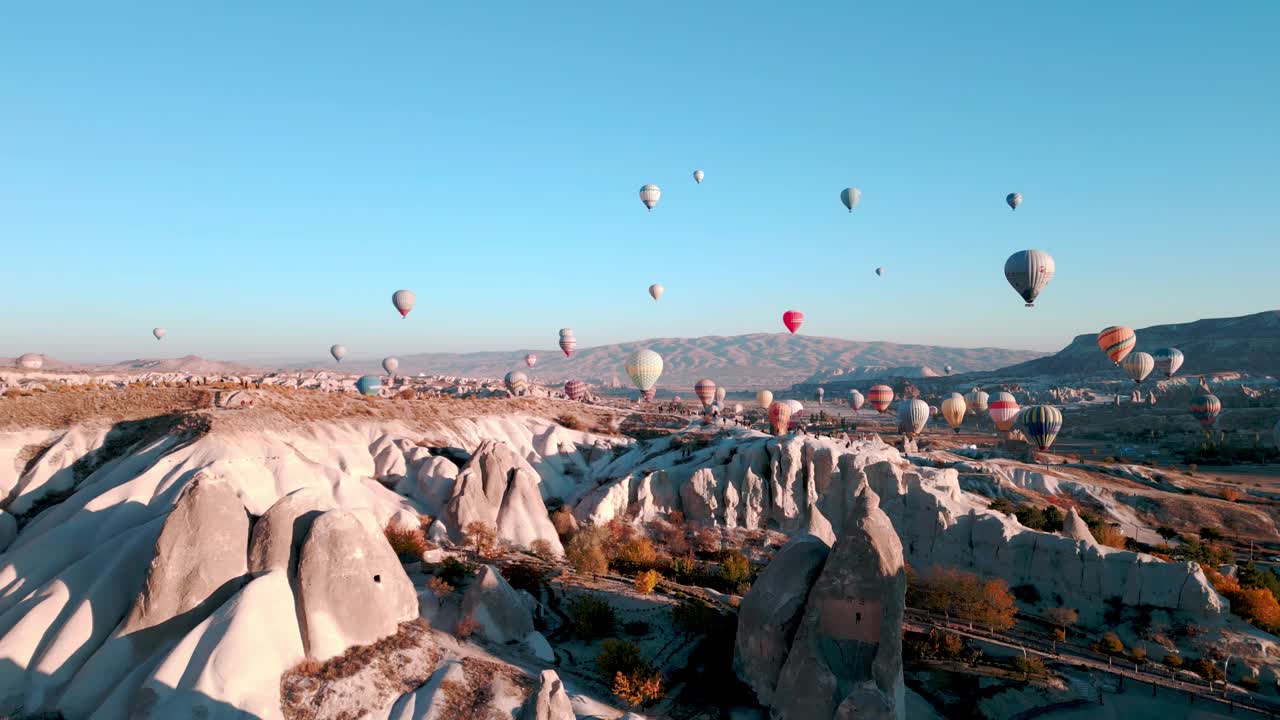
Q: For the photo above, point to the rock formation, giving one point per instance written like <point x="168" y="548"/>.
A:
<point x="497" y="607"/>
<point x="549" y="701"/>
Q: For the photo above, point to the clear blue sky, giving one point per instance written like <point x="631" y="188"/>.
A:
<point x="259" y="177"/>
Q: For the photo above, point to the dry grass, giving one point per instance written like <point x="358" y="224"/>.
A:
<point x="406" y="542"/>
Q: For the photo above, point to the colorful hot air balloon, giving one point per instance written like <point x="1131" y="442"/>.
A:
<point x="1168" y="360"/>
<point x="953" y="410"/>
<point x="31" y="361"/>
<point x="793" y="319"/>
<point x="1138" y="366"/>
<point x="1029" y="271"/>
<point x="698" y="175"/>
<point x="705" y="390"/>
<point x="1004" y="411"/>
<point x="530" y="359"/>
<point x="1042" y="423"/>
<point x="403" y="301"/>
<point x="656" y="291"/>
<point x="779" y="416"/>
<point x="338" y="352"/>
<point x="1205" y="409"/>
<point x="880" y="397"/>
<point x="369" y="385"/>
<point x="850" y="197"/>
<point x="720" y="394"/>
<point x="517" y="382"/>
<point x="575" y="389"/>
<point x="1117" y="341"/>
<point x="649" y="195"/>
<point x="765" y="398"/>
<point x="159" y="333"/>
<point x="390" y="365"/>
<point x="913" y="415"/>
<point x="644" y="367"/>
<point x="1014" y="200"/>
<point x="856" y="400"/>
<point x="976" y="400"/>
<point x="879" y="272"/>
<point x="567" y="342"/>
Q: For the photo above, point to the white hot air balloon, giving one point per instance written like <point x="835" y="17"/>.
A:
<point x="850" y="197"/>
<point x="1013" y="200"/>
<point x="765" y="398"/>
<point x="159" y="333"/>
<point x="649" y="195"/>
<point x="656" y="290"/>
<point x="338" y="352"/>
<point x="390" y="365"/>
<point x="403" y="300"/>
<point x="698" y="175"/>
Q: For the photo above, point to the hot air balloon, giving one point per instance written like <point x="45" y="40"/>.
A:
<point x="880" y="397"/>
<point x="404" y="300"/>
<point x="913" y="415"/>
<point x="575" y="389"/>
<point x="656" y="291"/>
<point x="1004" y="411"/>
<point x="567" y="342"/>
<point x="1168" y="360"/>
<point x="856" y="400"/>
<point x="698" y="175"/>
<point x="779" y="416"/>
<point x="31" y="361"/>
<point x="390" y="365"/>
<point x="1205" y="409"/>
<point x="850" y="197"/>
<point x="517" y="382"/>
<point x="369" y="385"/>
<point x="159" y="333"/>
<point x="793" y="319"/>
<point x="720" y="394"/>
<point x="879" y="272"/>
<point x="705" y="390"/>
<point x="644" y="367"/>
<point x="530" y="359"/>
<point x="649" y="195"/>
<point x="1117" y="341"/>
<point x="822" y="393"/>
<point x="947" y="369"/>
<point x="765" y="398"/>
<point x="1014" y="200"/>
<point x="1042" y="423"/>
<point x="737" y="408"/>
<point x="338" y="352"/>
<point x="1029" y="271"/>
<point x="796" y="408"/>
<point x="953" y="410"/>
<point x="1138" y="366"/>
<point x="976" y="400"/>
<point x="933" y="411"/>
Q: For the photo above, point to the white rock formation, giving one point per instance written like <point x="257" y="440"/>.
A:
<point x="496" y="607"/>
<point x="549" y="701"/>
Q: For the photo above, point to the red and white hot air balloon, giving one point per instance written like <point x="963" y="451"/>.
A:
<point x="404" y="301"/>
<point x="567" y="341"/>
<point x="793" y="319"/>
<point x="779" y="416"/>
<point x="575" y="389"/>
<point x="530" y="359"/>
<point x="880" y="397"/>
<point x="705" y="390"/>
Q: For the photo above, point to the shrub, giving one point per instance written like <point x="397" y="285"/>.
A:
<point x="638" y="688"/>
<point x="406" y="542"/>
<point x="524" y="576"/>
<point x="647" y="581"/>
<point x="1109" y="535"/>
<point x="585" y="552"/>
<point x="1063" y="617"/>
<point x="572" y="421"/>
<point x="564" y="522"/>
<point x="1059" y="634"/>
<point x="1138" y="654"/>
<point x="1002" y="505"/>
<point x="1166" y="532"/>
<point x="1029" y="666"/>
<point x="542" y="549"/>
<point x="439" y="587"/>
<point x="694" y="617"/>
<point x="620" y="656"/>
<point x="1250" y="683"/>
<point x="735" y="568"/>
<point x="706" y="540"/>
<point x="1209" y="533"/>
<point x="1112" y="644"/>
<point x="454" y="571"/>
<point x="467" y="627"/>
<point x="962" y="594"/>
<point x="675" y="517"/>
<point x="482" y="537"/>
<point x="1172" y="661"/>
<point x="638" y="554"/>
<point x="590" y="617"/>
<point x="683" y="567"/>
<point x="1207" y="669"/>
<point x="1230" y="494"/>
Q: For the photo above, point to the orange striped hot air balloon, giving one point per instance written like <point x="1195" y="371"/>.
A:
<point x="1117" y="341"/>
<point x="779" y="416"/>
<point x="880" y="397"/>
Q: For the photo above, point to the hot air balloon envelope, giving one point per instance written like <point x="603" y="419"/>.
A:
<point x="913" y="415"/>
<point x="575" y="389"/>
<point x="1029" y="271"/>
<point x="517" y="382"/>
<point x="1117" y="342"/>
<point x="649" y="195"/>
<point x="1138" y="366"/>
<point x="953" y="410"/>
<point x="765" y="398"/>
<point x="390" y="365"/>
<point x="369" y="385"/>
<point x="656" y="290"/>
<point x="1168" y="360"/>
<point x="850" y="197"/>
<point x="1014" y="200"/>
<point x="779" y="416"/>
<point x="698" y="175"/>
<point x="403" y="301"/>
<point x="530" y="359"/>
<point x="880" y="397"/>
<point x="644" y="367"/>
<point x="705" y="389"/>
<point x="1042" y="424"/>
<point x="793" y="319"/>
<point x="338" y="351"/>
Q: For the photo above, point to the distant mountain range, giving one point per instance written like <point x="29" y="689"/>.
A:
<point x="737" y="362"/>
<point x="1249" y="343"/>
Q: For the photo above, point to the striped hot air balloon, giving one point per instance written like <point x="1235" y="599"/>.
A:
<point x="567" y="342"/>
<point x="1004" y="411"/>
<point x="793" y="319"/>
<point x="850" y="197"/>
<point x="1138" y="366"/>
<point x="1042" y="424"/>
<point x="1014" y="200"/>
<point x="1029" y="271"/>
<point x="517" y="382"/>
<point x="856" y="400"/>
<point x="403" y="300"/>
<point x="976" y="400"/>
<point x="913" y="415"/>
<point x="369" y="385"/>
<point x="1168" y="360"/>
<point x="779" y="416"/>
<point x="530" y="359"/>
<point x="575" y="389"/>
<point x="705" y="390"/>
<point x="953" y="410"/>
<point x="1205" y="408"/>
<point x="644" y="367"/>
<point x="765" y="398"/>
<point x="31" y="361"/>
<point x="1117" y="342"/>
<point x="880" y="397"/>
<point x="649" y="195"/>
